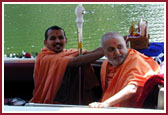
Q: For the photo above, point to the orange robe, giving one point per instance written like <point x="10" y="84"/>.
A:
<point x="135" y="70"/>
<point x="49" y="73"/>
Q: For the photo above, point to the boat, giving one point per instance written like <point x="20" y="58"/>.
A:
<point x="19" y="84"/>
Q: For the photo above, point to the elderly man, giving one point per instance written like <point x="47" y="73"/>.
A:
<point x="56" y="71"/>
<point x="123" y="73"/>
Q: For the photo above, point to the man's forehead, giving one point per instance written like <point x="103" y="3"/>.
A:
<point x="54" y="31"/>
<point x="115" y="40"/>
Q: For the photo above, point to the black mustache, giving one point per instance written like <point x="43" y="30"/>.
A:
<point x="57" y="44"/>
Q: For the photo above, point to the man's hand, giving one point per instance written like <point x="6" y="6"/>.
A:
<point x="124" y="94"/>
<point x="98" y="105"/>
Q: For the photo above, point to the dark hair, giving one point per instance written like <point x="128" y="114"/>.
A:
<point x="53" y="28"/>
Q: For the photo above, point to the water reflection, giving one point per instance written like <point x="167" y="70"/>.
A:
<point x="119" y="17"/>
<point x="25" y="23"/>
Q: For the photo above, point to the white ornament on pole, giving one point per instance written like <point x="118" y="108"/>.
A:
<point x="79" y="11"/>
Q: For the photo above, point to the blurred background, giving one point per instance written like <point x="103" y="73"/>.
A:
<point x="25" y="24"/>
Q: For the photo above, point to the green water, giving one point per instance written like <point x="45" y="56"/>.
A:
<point x="25" y="24"/>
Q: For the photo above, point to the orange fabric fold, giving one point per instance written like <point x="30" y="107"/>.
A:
<point x="135" y="70"/>
<point x="48" y="73"/>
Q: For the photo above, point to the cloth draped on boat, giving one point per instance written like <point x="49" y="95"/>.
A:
<point x="149" y="95"/>
<point x="155" y="50"/>
<point x="135" y="70"/>
<point x="49" y="72"/>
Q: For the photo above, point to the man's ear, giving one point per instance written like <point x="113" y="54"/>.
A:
<point x="45" y="42"/>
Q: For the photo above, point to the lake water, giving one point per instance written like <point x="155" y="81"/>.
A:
<point x="25" y="24"/>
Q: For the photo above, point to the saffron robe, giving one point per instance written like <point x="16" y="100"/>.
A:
<point x="50" y="71"/>
<point x="135" y="70"/>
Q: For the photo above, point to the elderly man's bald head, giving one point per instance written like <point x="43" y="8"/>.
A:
<point x="112" y="35"/>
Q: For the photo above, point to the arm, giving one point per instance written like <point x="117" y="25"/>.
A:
<point x="87" y="58"/>
<point x="122" y="95"/>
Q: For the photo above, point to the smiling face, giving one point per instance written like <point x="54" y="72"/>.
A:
<point x="56" y="40"/>
<point x="115" y="49"/>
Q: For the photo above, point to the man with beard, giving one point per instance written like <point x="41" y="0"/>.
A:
<point x="123" y="74"/>
<point x="56" y="73"/>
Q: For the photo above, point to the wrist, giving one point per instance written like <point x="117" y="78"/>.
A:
<point x="107" y="104"/>
<point x="101" y="51"/>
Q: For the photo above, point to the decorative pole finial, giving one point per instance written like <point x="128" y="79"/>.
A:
<point x="79" y="11"/>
